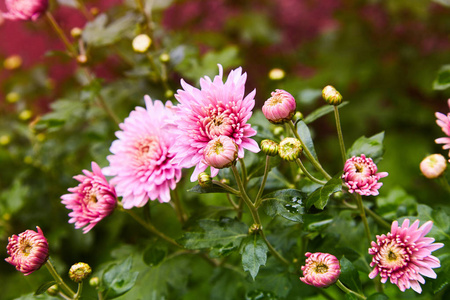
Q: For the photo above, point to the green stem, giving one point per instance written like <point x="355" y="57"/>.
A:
<point x="308" y="154"/>
<point x="64" y="287"/>
<point x="61" y="34"/>
<point x="339" y="131"/>
<point x="227" y="187"/>
<point x="347" y="290"/>
<point x="258" y="198"/>
<point x="84" y="10"/>
<point x="314" y="179"/>
<point x="370" y="212"/>
<point x="182" y="216"/>
<point x="244" y="173"/>
<point x="80" y="289"/>
<point x="150" y="227"/>
<point x="362" y="213"/>
<point x="235" y="206"/>
<point x="147" y="19"/>
<point x="273" y="250"/>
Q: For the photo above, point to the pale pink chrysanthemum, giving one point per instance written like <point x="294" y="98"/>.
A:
<point x="280" y="107"/>
<point x="360" y="176"/>
<point x="444" y="122"/>
<point x="28" y="251"/>
<point x="404" y="255"/>
<point x="141" y="163"/>
<point x="216" y="109"/>
<point x="220" y="152"/>
<point x="91" y="201"/>
<point x="320" y="269"/>
<point x="433" y="166"/>
<point x="28" y="10"/>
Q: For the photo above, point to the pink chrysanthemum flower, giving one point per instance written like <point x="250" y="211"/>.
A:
<point x="141" y="161"/>
<point x="433" y="166"/>
<point x="216" y="109"/>
<point x="28" y="10"/>
<point x="320" y="269"/>
<point x="28" y="251"/>
<point x="404" y="255"/>
<point x="91" y="201"/>
<point x="220" y="152"/>
<point x="280" y="107"/>
<point x="444" y="122"/>
<point x="360" y="176"/>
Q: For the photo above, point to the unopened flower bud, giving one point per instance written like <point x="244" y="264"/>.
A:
<point x="25" y="114"/>
<point x="82" y="59"/>
<point x="76" y="32"/>
<point x="168" y="94"/>
<point x="164" y="57"/>
<point x="94" y="11"/>
<point x="12" y="62"/>
<point x="94" y="281"/>
<point x="141" y="43"/>
<point x="269" y="147"/>
<point x="225" y="181"/>
<point x="53" y="290"/>
<point x="290" y="149"/>
<point x="5" y="139"/>
<point x="220" y="152"/>
<point x="331" y="95"/>
<point x="204" y="180"/>
<point x="298" y="116"/>
<point x="255" y="228"/>
<point x="433" y="166"/>
<point x="12" y="97"/>
<point x="280" y="107"/>
<point x="278" y="131"/>
<point x="276" y="74"/>
<point x="79" y="271"/>
<point x="321" y="269"/>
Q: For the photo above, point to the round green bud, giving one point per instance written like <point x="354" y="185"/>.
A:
<point x="290" y="149"/>
<point x="53" y="290"/>
<point x="331" y="95"/>
<point x="94" y="281"/>
<point x="269" y="147"/>
<point x="278" y="130"/>
<point x="164" y="57"/>
<point x="79" y="271"/>
<point x="12" y="97"/>
<point x="168" y="94"/>
<point x="141" y="43"/>
<point x="298" y="116"/>
<point x="76" y="32"/>
<point x="255" y="228"/>
<point x="204" y="180"/>
<point x="276" y="74"/>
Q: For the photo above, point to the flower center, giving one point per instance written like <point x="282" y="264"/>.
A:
<point x="359" y="168"/>
<point x="27" y="249"/>
<point x="393" y="256"/>
<point x="275" y="100"/>
<point x="321" y="268"/>
<point x="147" y="147"/>
<point x="218" y="147"/>
<point x="217" y="121"/>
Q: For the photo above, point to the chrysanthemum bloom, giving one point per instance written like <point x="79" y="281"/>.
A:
<point x="360" y="176"/>
<point x="91" y="201"/>
<point x="28" y="251"/>
<point x="404" y="255"/>
<point x="220" y="152"/>
<point x="444" y="122"/>
<point x="28" y="10"/>
<point x="433" y="166"/>
<point x="141" y="161"/>
<point x="280" y="107"/>
<point x="216" y="109"/>
<point x="321" y="269"/>
<point x="290" y="149"/>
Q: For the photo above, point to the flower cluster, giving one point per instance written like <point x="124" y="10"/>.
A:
<point x="320" y="269"/>
<point x="360" y="176"/>
<point x="404" y="255"/>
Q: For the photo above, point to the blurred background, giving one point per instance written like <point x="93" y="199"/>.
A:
<point x="383" y="57"/>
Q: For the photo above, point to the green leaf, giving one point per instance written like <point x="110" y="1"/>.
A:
<point x="371" y="147"/>
<point x="62" y="111"/>
<point x="204" y="190"/>
<point x="118" y="279"/>
<point x="225" y="235"/>
<point x="305" y="135"/>
<point x="378" y="296"/>
<point x="154" y="255"/>
<point x="44" y="287"/>
<point x="321" y="111"/>
<point x="441" y="221"/>
<point x="319" y="198"/>
<point x="254" y="254"/>
<point x="443" y="274"/>
<point x="349" y="275"/>
<point x="286" y="203"/>
<point x="442" y="80"/>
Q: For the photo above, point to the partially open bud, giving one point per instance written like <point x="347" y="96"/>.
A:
<point x="79" y="271"/>
<point x="331" y="95"/>
<point x="280" y="107"/>
<point x="290" y="149"/>
<point x="220" y="152"/>
<point x="204" y="180"/>
<point x="433" y="166"/>
<point x="269" y="147"/>
<point x="141" y="43"/>
<point x="321" y="269"/>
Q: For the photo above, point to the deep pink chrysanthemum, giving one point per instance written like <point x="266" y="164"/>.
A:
<point x="28" y="251"/>
<point x="216" y="109"/>
<point x="444" y="122"/>
<point x="404" y="255"/>
<point x="320" y="269"/>
<point x="280" y="107"/>
<point x="141" y="161"/>
<point x="360" y="176"/>
<point x="28" y="10"/>
<point x="220" y="152"/>
<point x="91" y="201"/>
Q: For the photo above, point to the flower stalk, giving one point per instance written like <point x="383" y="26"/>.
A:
<point x="64" y="287"/>
<point x="362" y="213"/>
<point x="339" y="131"/>
<point x="258" y="198"/>
<point x="313" y="179"/>
<point x="349" y="291"/>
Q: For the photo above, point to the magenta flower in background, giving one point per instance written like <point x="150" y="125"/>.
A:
<point x="220" y="152"/>
<point x="217" y="109"/>
<point x="28" y="251"/>
<point x="444" y="122"/>
<point x="320" y="269"/>
<point x="28" y="10"/>
<point x="404" y="255"/>
<point x="91" y="201"/>
<point x="360" y="176"/>
<point x="280" y="107"/>
<point x="141" y="163"/>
